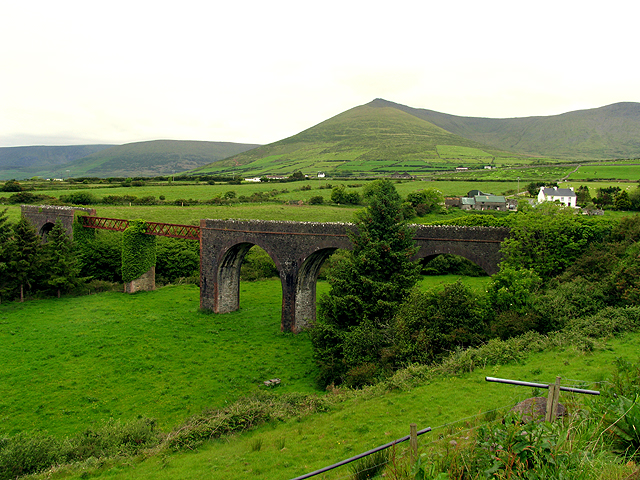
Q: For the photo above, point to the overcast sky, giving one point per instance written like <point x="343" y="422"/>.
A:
<point x="79" y="71"/>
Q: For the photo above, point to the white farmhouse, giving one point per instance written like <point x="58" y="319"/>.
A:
<point x="566" y="196"/>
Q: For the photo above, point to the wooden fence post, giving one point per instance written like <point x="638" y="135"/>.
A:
<point x="413" y="441"/>
<point x="552" y="401"/>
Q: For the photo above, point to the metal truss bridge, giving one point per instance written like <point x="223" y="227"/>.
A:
<point x="190" y="232"/>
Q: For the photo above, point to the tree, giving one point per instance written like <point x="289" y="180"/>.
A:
<point x="63" y="269"/>
<point x="296" y="176"/>
<point x="6" y="249"/>
<point x="426" y="201"/>
<point x="366" y="289"/>
<point x="622" y="201"/>
<point x="549" y="238"/>
<point x="11" y="186"/>
<point x="25" y="261"/>
<point x="583" y="196"/>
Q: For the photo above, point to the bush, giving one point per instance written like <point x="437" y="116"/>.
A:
<point x="257" y="265"/>
<point x="176" y="258"/>
<point x="447" y="264"/>
<point x="429" y="324"/>
<point x="11" y="186"/>
<point x="316" y="200"/>
<point x="79" y="198"/>
<point x="101" y="257"/>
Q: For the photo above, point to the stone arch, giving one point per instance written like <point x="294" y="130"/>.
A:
<point x="227" y="293"/>
<point x="462" y="251"/>
<point x="305" y="307"/>
<point x="46" y="229"/>
<point x="426" y="261"/>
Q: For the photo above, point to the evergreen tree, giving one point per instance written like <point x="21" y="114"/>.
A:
<point x="622" y="201"/>
<point x="6" y="248"/>
<point x="25" y="261"/>
<point x="63" y="269"/>
<point x="367" y="287"/>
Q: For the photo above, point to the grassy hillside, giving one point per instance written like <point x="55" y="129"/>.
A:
<point x="612" y="131"/>
<point x="63" y="370"/>
<point x="148" y="159"/>
<point x="370" y="139"/>
<point x="26" y="162"/>
<point x="68" y="363"/>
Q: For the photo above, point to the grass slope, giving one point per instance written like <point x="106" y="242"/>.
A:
<point x="158" y="157"/>
<point x="26" y="162"/>
<point x="612" y="131"/>
<point x="70" y="362"/>
<point x="67" y="363"/>
<point x="448" y="404"/>
<point x="366" y="139"/>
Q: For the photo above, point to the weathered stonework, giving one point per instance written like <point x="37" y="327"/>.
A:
<point x="43" y="217"/>
<point x="299" y="249"/>
<point x="144" y="283"/>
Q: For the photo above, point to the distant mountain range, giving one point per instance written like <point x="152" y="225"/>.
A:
<point x="380" y="137"/>
<point x="144" y="159"/>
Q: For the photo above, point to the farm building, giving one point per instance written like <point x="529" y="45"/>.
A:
<point x="565" y="196"/>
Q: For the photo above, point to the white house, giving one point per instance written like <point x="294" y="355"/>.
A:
<point x="565" y="196"/>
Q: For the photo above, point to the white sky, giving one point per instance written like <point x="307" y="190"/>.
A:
<point x="81" y="71"/>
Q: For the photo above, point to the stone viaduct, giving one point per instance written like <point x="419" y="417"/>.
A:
<point x="43" y="217"/>
<point x="297" y="248"/>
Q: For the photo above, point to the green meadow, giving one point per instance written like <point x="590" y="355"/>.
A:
<point x="70" y="363"/>
<point x="607" y="172"/>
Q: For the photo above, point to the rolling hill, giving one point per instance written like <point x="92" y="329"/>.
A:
<point x="24" y="162"/>
<point x="371" y="138"/>
<point x="383" y="137"/>
<point x="608" y="132"/>
<point x="154" y="158"/>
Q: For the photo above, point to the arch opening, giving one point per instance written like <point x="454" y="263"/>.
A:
<point x="243" y="261"/>
<point x="305" y="307"/>
<point x="450" y="264"/>
<point x="45" y="230"/>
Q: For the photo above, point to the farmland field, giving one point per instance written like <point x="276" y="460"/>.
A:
<point x="70" y="362"/>
<point x="608" y="172"/>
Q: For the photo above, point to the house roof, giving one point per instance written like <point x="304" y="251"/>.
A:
<point x="558" y="192"/>
<point x="490" y="198"/>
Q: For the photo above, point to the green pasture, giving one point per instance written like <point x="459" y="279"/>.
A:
<point x="447" y="404"/>
<point x="528" y="174"/>
<point x="67" y="363"/>
<point x="608" y="172"/>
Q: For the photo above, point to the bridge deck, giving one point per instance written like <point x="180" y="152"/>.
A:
<point x="190" y="232"/>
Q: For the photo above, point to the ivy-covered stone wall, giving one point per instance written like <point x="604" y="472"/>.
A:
<point x="138" y="251"/>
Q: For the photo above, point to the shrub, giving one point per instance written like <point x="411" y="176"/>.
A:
<point x="101" y="257"/>
<point x="316" y="200"/>
<point x="79" y="198"/>
<point x="257" y="265"/>
<point x="176" y="258"/>
<point x="11" y="186"/>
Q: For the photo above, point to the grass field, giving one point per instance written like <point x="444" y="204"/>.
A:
<point x="69" y="362"/>
<point x="608" y="172"/>
<point x="448" y="404"/>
